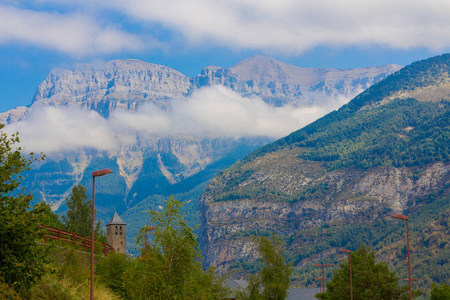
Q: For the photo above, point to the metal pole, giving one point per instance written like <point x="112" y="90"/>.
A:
<point x="146" y="246"/>
<point x="323" y="278"/>
<point x="92" y="238"/>
<point x="351" y="286"/>
<point x="409" y="261"/>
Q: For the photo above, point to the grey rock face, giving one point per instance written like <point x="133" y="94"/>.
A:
<point x="279" y="83"/>
<point x="119" y="84"/>
<point x="350" y="193"/>
<point x="127" y="84"/>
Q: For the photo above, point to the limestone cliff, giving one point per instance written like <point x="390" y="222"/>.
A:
<point x="337" y="181"/>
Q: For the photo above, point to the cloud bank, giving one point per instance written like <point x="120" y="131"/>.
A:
<point x="92" y="26"/>
<point x="72" y="33"/>
<point x="209" y="112"/>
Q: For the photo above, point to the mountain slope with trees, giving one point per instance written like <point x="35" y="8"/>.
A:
<point x="337" y="182"/>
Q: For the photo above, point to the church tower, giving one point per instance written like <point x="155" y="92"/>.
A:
<point x="116" y="234"/>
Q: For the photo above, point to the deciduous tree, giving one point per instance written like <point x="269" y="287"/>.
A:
<point x="21" y="263"/>
<point x="173" y="269"/>
<point x="370" y="280"/>
<point x="273" y="281"/>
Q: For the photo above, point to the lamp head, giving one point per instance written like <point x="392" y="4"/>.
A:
<point x="101" y="172"/>
<point x="401" y="217"/>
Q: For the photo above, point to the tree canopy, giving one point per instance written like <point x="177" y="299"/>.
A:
<point x="273" y="281"/>
<point x="78" y="217"/>
<point x="21" y="263"/>
<point x="172" y="269"/>
<point x="370" y="280"/>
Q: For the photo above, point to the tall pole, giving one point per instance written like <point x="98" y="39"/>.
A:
<point x="409" y="261"/>
<point x="320" y="283"/>
<point x="350" y="264"/>
<point x="323" y="278"/>
<point x="401" y="217"/>
<point x="94" y="174"/>
<point x="351" y="284"/>
<point x="92" y="238"/>
<point x="323" y="273"/>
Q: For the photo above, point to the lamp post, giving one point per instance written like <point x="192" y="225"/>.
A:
<point x="402" y="217"/>
<point x="147" y="230"/>
<point x="320" y="283"/>
<point x="323" y="274"/>
<point x="350" y="263"/>
<point x="94" y="174"/>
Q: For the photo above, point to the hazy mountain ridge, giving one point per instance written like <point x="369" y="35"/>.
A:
<point x="151" y="164"/>
<point x="355" y="167"/>
<point x="127" y="84"/>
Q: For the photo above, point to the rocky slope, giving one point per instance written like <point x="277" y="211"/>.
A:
<point x="336" y="182"/>
<point x="127" y="84"/>
<point x="154" y="163"/>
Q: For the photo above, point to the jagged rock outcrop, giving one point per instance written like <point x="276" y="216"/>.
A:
<point x="128" y="84"/>
<point x="279" y="83"/>
<point x="349" y="193"/>
<point x="384" y="152"/>
<point x="118" y="84"/>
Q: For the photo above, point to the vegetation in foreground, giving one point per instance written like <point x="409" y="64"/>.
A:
<point x="370" y="280"/>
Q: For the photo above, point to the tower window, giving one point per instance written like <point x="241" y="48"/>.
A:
<point x="121" y="230"/>
<point x="116" y="229"/>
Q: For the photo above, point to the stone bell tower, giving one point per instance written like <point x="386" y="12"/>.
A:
<point x="116" y="234"/>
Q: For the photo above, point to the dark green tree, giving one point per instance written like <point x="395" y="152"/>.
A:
<point x="46" y="216"/>
<point x="440" y="292"/>
<point x="78" y="217"/>
<point x="21" y="262"/>
<point x="173" y="269"/>
<point x="370" y="280"/>
<point x="273" y="281"/>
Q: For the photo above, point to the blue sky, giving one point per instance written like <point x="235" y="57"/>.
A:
<point x="187" y="35"/>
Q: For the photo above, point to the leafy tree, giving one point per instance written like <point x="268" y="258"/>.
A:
<point x="272" y="282"/>
<point x="21" y="263"/>
<point x="370" y="280"/>
<point x="173" y="269"/>
<point x="46" y="216"/>
<point x="440" y="292"/>
<point x="111" y="271"/>
<point x="78" y="217"/>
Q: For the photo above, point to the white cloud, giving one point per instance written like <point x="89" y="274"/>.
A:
<point x="49" y="129"/>
<point x="298" y="25"/>
<point x="213" y="111"/>
<point x="281" y="25"/>
<point x="75" y="33"/>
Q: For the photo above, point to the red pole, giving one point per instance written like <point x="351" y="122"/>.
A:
<point x="92" y="238"/>
<point x="402" y="217"/>
<point x="323" y="278"/>
<point x="409" y="261"/>
<point x="146" y="246"/>
<point x="351" y="285"/>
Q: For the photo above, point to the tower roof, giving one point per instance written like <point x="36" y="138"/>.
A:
<point x="116" y="220"/>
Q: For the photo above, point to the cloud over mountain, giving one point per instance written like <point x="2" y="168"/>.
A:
<point x="214" y="111"/>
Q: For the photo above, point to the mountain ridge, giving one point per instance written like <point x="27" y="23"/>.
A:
<point x="353" y="167"/>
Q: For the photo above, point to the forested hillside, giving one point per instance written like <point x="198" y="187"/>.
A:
<point x="338" y="181"/>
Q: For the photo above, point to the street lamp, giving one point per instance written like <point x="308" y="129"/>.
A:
<point x="147" y="230"/>
<point x="350" y="263"/>
<point x="94" y="174"/>
<point x="402" y="217"/>
<point x="320" y="283"/>
<point x="323" y="274"/>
